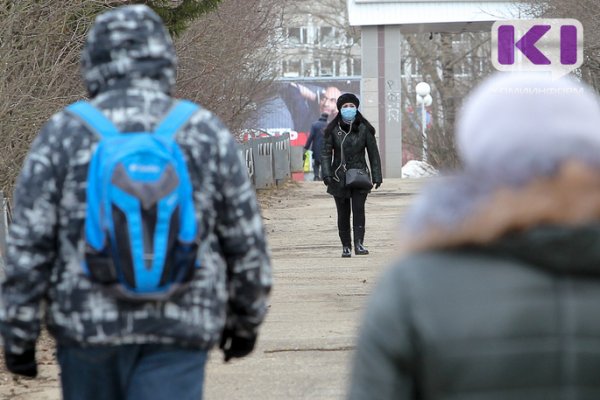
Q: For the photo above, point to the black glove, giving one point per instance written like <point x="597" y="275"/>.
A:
<point x="304" y="156"/>
<point x="21" y="364"/>
<point x="235" y="346"/>
<point x="377" y="184"/>
<point x="327" y="180"/>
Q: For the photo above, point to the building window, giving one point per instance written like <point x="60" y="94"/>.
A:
<point x="291" y="68"/>
<point x="297" y="36"/>
<point x="356" y="66"/>
<point x="345" y="67"/>
<point x="326" y="68"/>
<point x="293" y="35"/>
<point x="316" y="68"/>
<point x="462" y="67"/>
<point x="413" y="66"/>
<point x="327" y="36"/>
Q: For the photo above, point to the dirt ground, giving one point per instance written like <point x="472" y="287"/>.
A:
<point x="305" y="346"/>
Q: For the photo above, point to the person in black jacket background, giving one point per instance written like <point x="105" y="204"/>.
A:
<point x="315" y="143"/>
<point x="351" y="130"/>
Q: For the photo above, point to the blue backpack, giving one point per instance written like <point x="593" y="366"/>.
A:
<point x="140" y="226"/>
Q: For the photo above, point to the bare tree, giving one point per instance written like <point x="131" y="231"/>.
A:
<point x="588" y="13"/>
<point x="40" y="46"/>
<point x="179" y="14"/>
<point x="452" y="63"/>
<point x="225" y="64"/>
<point x="228" y="58"/>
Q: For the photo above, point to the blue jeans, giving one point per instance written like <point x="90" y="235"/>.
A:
<point x="131" y="372"/>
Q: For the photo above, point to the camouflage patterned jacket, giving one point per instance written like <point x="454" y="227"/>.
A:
<point x="44" y="277"/>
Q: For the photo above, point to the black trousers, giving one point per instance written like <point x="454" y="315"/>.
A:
<point x="355" y="205"/>
<point x="316" y="169"/>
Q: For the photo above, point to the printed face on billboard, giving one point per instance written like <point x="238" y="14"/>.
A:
<point x="329" y="100"/>
<point x="296" y="104"/>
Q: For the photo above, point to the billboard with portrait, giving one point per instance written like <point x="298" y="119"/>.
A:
<point x="296" y="103"/>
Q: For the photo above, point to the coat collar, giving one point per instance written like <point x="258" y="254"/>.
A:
<point x="462" y="210"/>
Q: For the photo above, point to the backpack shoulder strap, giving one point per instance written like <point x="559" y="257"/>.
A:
<point x="94" y="119"/>
<point x="176" y="118"/>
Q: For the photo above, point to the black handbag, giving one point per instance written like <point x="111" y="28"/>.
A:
<point x="356" y="178"/>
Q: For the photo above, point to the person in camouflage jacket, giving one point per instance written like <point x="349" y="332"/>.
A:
<point x="129" y="66"/>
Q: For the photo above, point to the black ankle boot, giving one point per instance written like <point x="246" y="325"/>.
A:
<point x="346" y="252"/>
<point x="359" y="249"/>
<point x="346" y="243"/>
<point x="359" y="235"/>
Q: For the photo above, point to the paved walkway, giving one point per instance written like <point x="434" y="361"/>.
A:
<point x="306" y="343"/>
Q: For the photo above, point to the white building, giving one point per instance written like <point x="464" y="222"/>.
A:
<point x="317" y="43"/>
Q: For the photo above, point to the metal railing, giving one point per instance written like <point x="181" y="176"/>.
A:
<point x="271" y="160"/>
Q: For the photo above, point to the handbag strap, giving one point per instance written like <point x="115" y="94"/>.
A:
<point x="343" y="159"/>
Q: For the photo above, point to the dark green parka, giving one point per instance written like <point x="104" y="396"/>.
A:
<point x="356" y="138"/>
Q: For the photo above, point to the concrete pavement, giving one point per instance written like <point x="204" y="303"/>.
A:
<point x="305" y="346"/>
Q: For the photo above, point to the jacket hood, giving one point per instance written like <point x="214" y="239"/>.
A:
<point x="128" y="47"/>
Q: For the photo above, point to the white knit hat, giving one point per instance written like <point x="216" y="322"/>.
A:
<point x="523" y="124"/>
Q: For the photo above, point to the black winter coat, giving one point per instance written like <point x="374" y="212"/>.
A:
<point x="360" y="138"/>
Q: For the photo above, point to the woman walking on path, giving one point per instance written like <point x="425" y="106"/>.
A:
<point x="347" y="137"/>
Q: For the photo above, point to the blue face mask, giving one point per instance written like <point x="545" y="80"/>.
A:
<point x="348" y="113"/>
